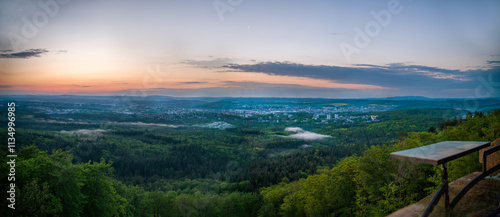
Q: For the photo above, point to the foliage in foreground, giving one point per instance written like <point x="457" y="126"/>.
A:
<point x="372" y="184"/>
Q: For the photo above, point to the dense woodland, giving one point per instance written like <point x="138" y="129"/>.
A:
<point x="244" y="171"/>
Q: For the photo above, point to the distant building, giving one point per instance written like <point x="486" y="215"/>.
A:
<point x="374" y="117"/>
<point x="336" y="116"/>
<point x="328" y="116"/>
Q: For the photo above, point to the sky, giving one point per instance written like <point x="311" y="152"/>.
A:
<point x="243" y="48"/>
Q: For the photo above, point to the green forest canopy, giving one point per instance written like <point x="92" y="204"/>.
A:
<point x="367" y="184"/>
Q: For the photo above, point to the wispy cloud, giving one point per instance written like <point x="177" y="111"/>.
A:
<point x="262" y="89"/>
<point x="193" y="82"/>
<point x="6" y="86"/>
<point x="458" y="90"/>
<point x="493" y="62"/>
<point x="215" y="63"/>
<point x="23" y="54"/>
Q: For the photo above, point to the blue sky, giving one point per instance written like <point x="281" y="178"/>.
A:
<point x="251" y="48"/>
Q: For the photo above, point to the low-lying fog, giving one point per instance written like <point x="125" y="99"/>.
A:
<point x="302" y="134"/>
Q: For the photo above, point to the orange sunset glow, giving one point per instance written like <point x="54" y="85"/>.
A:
<point x="191" y="50"/>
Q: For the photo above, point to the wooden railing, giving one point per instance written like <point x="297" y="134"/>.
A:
<point x="440" y="154"/>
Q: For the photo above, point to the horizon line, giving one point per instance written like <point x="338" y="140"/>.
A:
<point x="279" y="97"/>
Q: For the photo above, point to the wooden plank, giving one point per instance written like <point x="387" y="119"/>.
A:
<point x="439" y="153"/>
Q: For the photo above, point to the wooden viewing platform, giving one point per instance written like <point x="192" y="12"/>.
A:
<point x="440" y="154"/>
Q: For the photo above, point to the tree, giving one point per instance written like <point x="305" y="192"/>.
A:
<point x="37" y="200"/>
<point x="102" y="199"/>
<point x="59" y="177"/>
<point x="432" y="129"/>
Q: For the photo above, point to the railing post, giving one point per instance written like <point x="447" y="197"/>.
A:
<point x="444" y="177"/>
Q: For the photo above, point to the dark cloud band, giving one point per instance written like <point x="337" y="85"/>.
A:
<point x="23" y="54"/>
<point x="397" y="75"/>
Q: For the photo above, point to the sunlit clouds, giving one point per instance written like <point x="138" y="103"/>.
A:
<point x="260" y="48"/>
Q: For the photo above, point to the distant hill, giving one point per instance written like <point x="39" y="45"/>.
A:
<point x="408" y="98"/>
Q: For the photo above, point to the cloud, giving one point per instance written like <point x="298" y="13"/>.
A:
<point x="258" y="85"/>
<point x="485" y="84"/>
<point x="193" y="82"/>
<point x="261" y="89"/>
<point x="302" y="134"/>
<point x="399" y="76"/>
<point x="294" y="129"/>
<point x="362" y="73"/>
<point x="493" y="62"/>
<point x="458" y="90"/>
<point x="215" y="63"/>
<point x="23" y="54"/>
<point x="6" y="86"/>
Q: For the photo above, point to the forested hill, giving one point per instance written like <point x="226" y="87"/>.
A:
<point x="374" y="184"/>
<point x="67" y="183"/>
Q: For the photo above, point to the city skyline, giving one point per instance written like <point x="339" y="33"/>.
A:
<point x="324" y="49"/>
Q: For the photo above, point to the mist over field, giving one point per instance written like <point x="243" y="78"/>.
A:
<point x="302" y="134"/>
